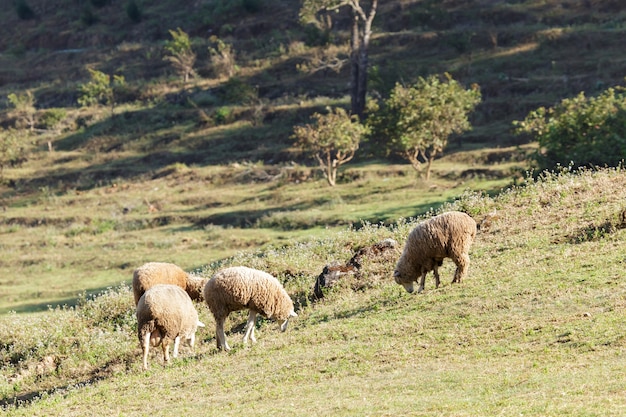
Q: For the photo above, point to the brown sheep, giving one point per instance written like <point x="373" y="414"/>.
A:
<point x="239" y="288"/>
<point x="448" y="235"/>
<point x="165" y="313"/>
<point x="153" y="273"/>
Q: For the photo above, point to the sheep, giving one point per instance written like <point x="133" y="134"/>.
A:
<point x="153" y="273"/>
<point x="448" y="235"/>
<point x="165" y="313"/>
<point x="239" y="288"/>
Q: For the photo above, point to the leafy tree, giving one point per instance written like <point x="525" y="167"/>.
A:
<point x="180" y="54"/>
<point x="417" y="121"/>
<point x="581" y="130"/>
<point x="11" y="150"/>
<point x="101" y="89"/>
<point x="24" y="105"/>
<point x="361" y="32"/>
<point x="332" y="139"/>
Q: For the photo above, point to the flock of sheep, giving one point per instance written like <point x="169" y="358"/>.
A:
<point x="163" y="292"/>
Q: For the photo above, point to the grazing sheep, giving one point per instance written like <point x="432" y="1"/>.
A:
<point x="153" y="273"/>
<point x="448" y="235"/>
<point x="165" y="313"/>
<point x="239" y="288"/>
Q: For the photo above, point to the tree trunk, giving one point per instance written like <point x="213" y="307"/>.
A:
<point x="355" y="55"/>
<point x="359" y="56"/>
<point x="428" y="164"/>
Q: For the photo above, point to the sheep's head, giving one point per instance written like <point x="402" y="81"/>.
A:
<point x="195" y="287"/>
<point x="283" y="325"/>
<point x="190" y="338"/>
<point x="401" y="279"/>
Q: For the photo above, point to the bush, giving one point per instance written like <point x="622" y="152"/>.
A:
<point x="23" y="10"/>
<point x="580" y="131"/>
<point x="222" y="58"/>
<point x="251" y="6"/>
<point x="51" y="118"/>
<point x="223" y="115"/>
<point x="237" y="91"/>
<point x="12" y="151"/>
<point x="133" y="12"/>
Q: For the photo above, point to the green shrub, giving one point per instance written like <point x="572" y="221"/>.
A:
<point x="580" y="131"/>
<point x="252" y="6"/>
<point x="222" y="115"/>
<point x="23" y="10"/>
<point x="133" y="12"/>
<point x="237" y="91"/>
<point x="12" y="151"/>
<point x="51" y="118"/>
<point x="222" y="58"/>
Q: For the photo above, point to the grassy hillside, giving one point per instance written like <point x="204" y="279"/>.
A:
<point x="192" y="174"/>
<point x="536" y="329"/>
<point x="205" y="175"/>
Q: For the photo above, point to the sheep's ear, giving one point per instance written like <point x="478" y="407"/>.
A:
<point x="293" y="314"/>
<point x="200" y="324"/>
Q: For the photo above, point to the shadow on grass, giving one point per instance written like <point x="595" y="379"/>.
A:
<point x="69" y="302"/>
<point x="126" y="360"/>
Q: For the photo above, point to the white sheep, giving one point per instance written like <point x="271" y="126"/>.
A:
<point x="165" y="313"/>
<point x="153" y="273"/>
<point x="448" y="235"/>
<point x="239" y="288"/>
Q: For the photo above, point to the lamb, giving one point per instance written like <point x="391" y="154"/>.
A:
<point x="448" y="235"/>
<point x="153" y="273"/>
<point x="165" y="313"/>
<point x="239" y="288"/>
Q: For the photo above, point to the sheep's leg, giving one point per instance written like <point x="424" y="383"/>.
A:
<point x="462" y="265"/>
<point x="436" y="273"/>
<point x="220" y="336"/>
<point x="176" y="345"/>
<point x="165" y="344"/>
<point x="192" y="340"/>
<point x="250" y="328"/>
<point x="146" y="349"/>
<point x="422" y="282"/>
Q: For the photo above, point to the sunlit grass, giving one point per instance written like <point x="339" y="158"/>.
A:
<point x="535" y="328"/>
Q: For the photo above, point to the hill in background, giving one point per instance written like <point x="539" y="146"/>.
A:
<point x="522" y="54"/>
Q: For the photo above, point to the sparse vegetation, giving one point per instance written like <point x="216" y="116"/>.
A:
<point x="24" y="105"/>
<point x="222" y="58"/>
<point x="101" y="89"/>
<point x="180" y="54"/>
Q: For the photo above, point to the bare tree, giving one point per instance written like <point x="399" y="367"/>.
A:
<point x="361" y="32"/>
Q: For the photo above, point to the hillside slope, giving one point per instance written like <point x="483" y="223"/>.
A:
<point x="536" y="329"/>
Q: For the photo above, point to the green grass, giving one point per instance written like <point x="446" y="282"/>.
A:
<point x="61" y="240"/>
<point x="536" y="328"/>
